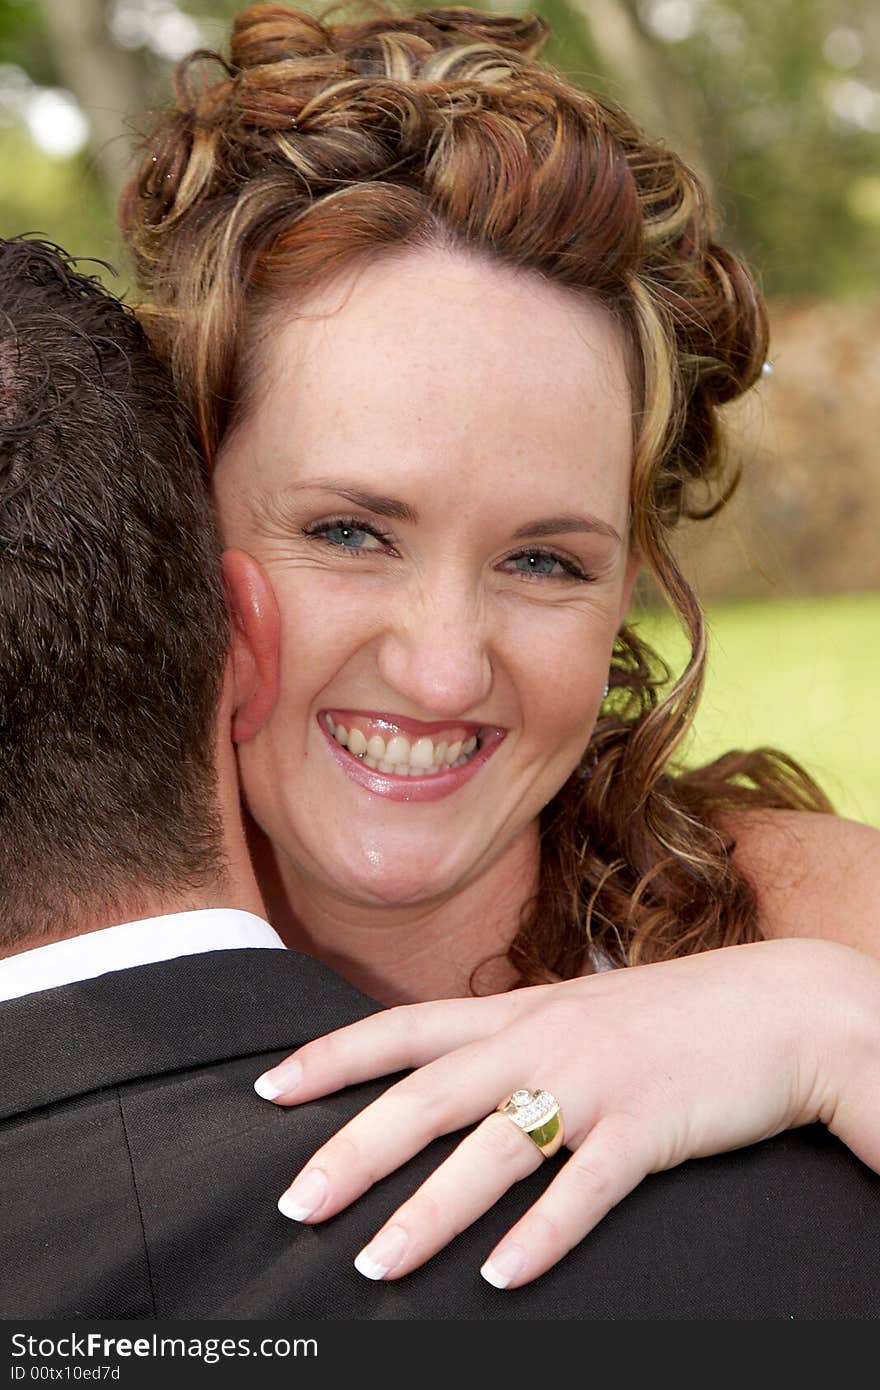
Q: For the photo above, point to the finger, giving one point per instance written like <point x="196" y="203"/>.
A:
<point x="447" y="1094"/>
<point x="613" y="1159"/>
<point x="408" y="1035"/>
<point x="483" y="1166"/>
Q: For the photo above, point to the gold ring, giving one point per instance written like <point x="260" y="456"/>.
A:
<point x="539" y="1115"/>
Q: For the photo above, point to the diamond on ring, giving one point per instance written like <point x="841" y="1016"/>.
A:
<point x="537" y="1114"/>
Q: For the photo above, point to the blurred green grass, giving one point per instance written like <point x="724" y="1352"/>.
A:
<point x="801" y="675"/>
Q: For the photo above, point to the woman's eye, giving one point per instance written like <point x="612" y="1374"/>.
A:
<point x="347" y="536"/>
<point x="542" y="565"/>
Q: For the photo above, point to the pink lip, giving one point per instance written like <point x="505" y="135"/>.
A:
<point x="399" y="724"/>
<point x="433" y="788"/>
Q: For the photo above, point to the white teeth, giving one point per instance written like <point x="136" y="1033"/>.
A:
<point x="422" y="754"/>
<point x="397" y="750"/>
<point x="400" y="757"/>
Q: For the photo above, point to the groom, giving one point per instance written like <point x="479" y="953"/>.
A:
<point x="141" y="989"/>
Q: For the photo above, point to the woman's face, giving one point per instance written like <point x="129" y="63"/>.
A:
<point x="434" y="475"/>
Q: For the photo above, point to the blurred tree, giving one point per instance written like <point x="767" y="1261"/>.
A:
<point x="107" y="79"/>
<point x="638" y="72"/>
<point x="22" y="39"/>
<point x="791" y="96"/>
<point x="60" y="192"/>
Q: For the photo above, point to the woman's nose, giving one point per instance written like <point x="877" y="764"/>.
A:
<point x="434" y="652"/>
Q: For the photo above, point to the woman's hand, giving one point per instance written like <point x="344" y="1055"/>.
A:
<point x="652" y="1065"/>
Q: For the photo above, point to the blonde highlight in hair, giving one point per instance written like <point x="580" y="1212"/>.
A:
<point x="316" y="146"/>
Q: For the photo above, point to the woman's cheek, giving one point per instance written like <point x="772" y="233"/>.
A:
<point x="562" y="661"/>
<point x="323" y="626"/>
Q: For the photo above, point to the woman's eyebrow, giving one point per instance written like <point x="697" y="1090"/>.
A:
<point x="389" y="507"/>
<point x="558" y="525"/>
<point x="395" y="510"/>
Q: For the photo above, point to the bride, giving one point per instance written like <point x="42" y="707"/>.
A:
<point x="457" y="338"/>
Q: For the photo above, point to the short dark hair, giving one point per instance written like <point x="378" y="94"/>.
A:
<point x="113" y="626"/>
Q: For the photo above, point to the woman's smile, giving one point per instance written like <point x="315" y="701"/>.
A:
<point x="407" y="759"/>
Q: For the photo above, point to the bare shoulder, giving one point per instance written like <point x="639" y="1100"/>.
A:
<point x="815" y="875"/>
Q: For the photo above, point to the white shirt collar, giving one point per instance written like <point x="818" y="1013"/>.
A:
<point x="133" y="943"/>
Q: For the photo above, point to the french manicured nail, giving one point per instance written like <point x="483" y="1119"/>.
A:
<point x="379" y="1257"/>
<point x="279" y="1081"/>
<point x="305" y="1196"/>
<point x="504" y="1265"/>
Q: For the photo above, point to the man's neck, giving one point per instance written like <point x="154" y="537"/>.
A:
<point x="229" y="893"/>
<point x="233" y="887"/>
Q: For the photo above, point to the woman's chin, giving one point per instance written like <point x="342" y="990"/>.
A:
<point x="388" y="886"/>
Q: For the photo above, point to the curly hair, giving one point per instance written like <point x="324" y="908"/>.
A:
<point x="318" y="144"/>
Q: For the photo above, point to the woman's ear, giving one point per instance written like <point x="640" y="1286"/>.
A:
<point x="256" y="633"/>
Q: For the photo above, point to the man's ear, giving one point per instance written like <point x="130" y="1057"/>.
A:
<point x="633" y="565"/>
<point x="256" y="635"/>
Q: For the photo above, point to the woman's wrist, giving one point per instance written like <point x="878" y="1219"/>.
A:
<point x="835" y="1022"/>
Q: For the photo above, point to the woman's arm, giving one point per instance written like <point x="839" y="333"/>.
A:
<point x="652" y="1065"/>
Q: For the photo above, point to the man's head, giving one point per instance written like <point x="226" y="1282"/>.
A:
<point x="113" y="627"/>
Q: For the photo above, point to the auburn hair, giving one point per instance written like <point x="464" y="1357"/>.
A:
<point x="315" y="145"/>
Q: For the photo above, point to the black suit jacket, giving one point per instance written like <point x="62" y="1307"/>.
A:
<point x="139" y="1174"/>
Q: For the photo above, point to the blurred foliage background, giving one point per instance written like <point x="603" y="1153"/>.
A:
<point x="777" y="103"/>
